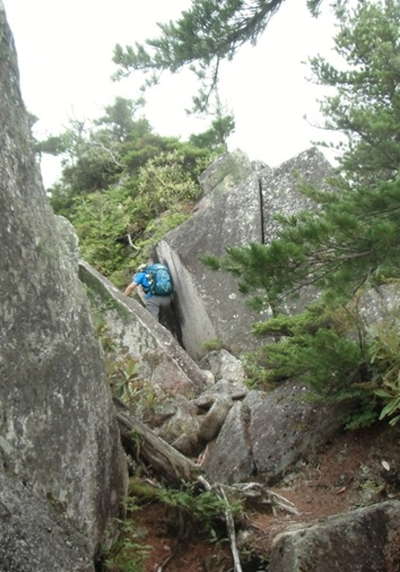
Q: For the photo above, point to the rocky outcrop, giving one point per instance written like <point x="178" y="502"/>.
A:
<point x="234" y="212"/>
<point x="365" y="539"/>
<point x="267" y="433"/>
<point x="160" y="359"/>
<point x="57" y="431"/>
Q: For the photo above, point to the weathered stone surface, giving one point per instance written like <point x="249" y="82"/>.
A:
<point x="213" y="420"/>
<point x="365" y="540"/>
<point x="161" y="360"/>
<point x="222" y="388"/>
<point x="380" y="305"/>
<point x="229" y="459"/>
<point x="280" y="194"/>
<point x="277" y="429"/>
<point x="184" y="420"/>
<point x="57" y="430"/>
<point x="224" y="366"/>
<point x="210" y="305"/>
<point x="34" y="536"/>
<point x="225" y="173"/>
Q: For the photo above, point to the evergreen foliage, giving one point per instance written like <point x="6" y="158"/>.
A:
<point x="366" y="104"/>
<point x="205" y="35"/>
<point x="354" y="238"/>
<point x="385" y="361"/>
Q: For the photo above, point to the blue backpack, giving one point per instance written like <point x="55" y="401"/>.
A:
<point x="159" y="279"/>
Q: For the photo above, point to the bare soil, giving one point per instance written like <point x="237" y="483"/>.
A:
<point x="357" y="469"/>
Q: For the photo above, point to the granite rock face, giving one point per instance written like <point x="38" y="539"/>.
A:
<point x="34" y="535"/>
<point x="210" y="306"/>
<point x="236" y="210"/>
<point x="57" y="431"/>
<point x="362" y="540"/>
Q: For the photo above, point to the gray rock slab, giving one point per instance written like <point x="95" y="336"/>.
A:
<point x="57" y="427"/>
<point x="364" y="540"/>
<point x="235" y="211"/>
<point x="209" y="302"/>
<point x="34" y="536"/>
<point x="161" y="360"/>
<point x="229" y="458"/>
<point x="285" y="426"/>
<point x="225" y="173"/>
<point x="213" y="420"/>
<point x="272" y="431"/>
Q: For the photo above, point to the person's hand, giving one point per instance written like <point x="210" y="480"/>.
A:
<point x="129" y="289"/>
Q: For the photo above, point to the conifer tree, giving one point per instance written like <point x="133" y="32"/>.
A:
<point x="205" y="35"/>
<point x="355" y="235"/>
<point x="366" y="105"/>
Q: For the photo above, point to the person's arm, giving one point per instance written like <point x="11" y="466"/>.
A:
<point x="129" y="289"/>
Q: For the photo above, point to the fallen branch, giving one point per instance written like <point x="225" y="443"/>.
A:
<point x="230" y="524"/>
<point x="140" y="441"/>
<point x="257" y="493"/>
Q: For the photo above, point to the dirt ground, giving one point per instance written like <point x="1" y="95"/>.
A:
<point x="357" y="469"/>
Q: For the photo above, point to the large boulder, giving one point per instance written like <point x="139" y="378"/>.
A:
<point x="267" y="433"/>
<point x="57" y="429"/>
<point x="210" y="305"/>
<point x="366" y="539"/>
<point x="34" y="536"/>
<point x="160" y="359"/>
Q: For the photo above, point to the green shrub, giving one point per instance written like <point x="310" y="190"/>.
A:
<point x="384" y="352"/>
<point x="214" y="344"/>
<point x="128" y="553"/>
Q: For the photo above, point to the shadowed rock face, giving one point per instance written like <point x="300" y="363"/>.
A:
<point x="269" y="432"/>
<point x="34" y="536"/>
<point x="237" y="210"/>
<point x="57" y="432"/>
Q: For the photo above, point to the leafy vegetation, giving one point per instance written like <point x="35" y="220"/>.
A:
<point x="123" y="186"/>
<point x="384" y="358"/>
<point x="128" y="553"/>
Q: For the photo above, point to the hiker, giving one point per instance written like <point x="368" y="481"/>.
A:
<point x="156" y="284"/>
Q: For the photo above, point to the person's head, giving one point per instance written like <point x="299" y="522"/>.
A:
<point x="141" y="267"/>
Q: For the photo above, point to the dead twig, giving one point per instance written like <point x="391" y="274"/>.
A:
<point x="230" y="523"/>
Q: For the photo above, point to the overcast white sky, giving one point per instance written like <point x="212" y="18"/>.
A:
<point x="65" y="58"/>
